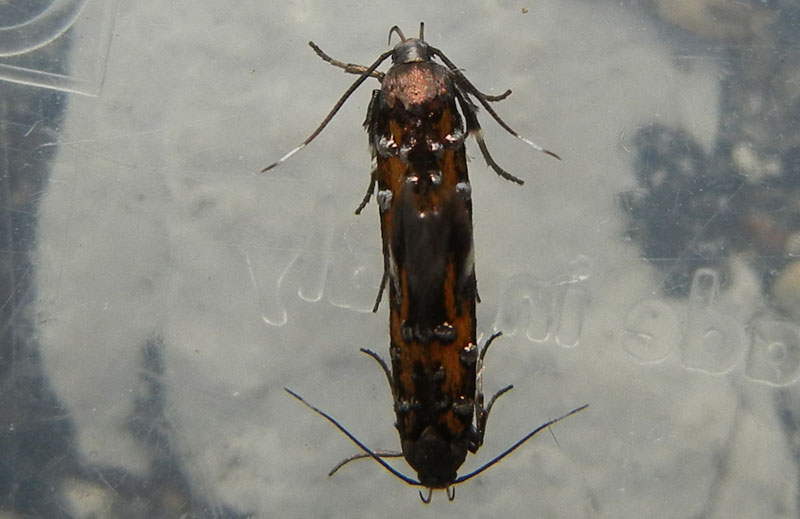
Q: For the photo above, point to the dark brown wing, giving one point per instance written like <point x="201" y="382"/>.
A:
<point x="426" y="224"/>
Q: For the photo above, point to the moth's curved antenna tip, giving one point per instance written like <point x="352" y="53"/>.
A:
<point x="554" y="155"/>
<point x="537" y="147"/>
<point x="514" y="447"/>
<point x="282" y="159"/>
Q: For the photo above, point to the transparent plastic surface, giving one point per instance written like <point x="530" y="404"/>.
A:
<point x="160" y="292"/>
<point x="60" y="44"/>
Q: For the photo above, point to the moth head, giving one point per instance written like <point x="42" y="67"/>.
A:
<point x="435" y="458"/>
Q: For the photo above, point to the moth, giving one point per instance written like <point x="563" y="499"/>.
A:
<point x="417" y="123"/>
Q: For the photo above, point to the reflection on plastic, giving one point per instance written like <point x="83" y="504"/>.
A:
<point x="316" y="258"/>
<point x="651" y="331"/>
<point x="63" y="46"/>
<point x="775" y="353"/>
<point x="40" y="29"/>
<point x="713" y="341"/>
<point x="354" y="276"/>
<point x="572" y="315"/>
<point x="526" y="301"/>
<point x="272" y="311"/>
<point x="546" y="309"/>
<point x="325" y="265"/>
<point x="708" y="339"/>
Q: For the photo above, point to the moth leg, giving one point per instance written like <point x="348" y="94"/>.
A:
<point x="465" y="84"/>
<point x="373" y="178"/>
<point x="350" y="68"/>
<point x="383" y="364"/>
<point x="474" y="129"/>
<point x="481" y="412"/>
<point x="380" y="453"/>
<point x="494" y="99"/>
<point x="364" y="201"/>
<point x="380" y="290"/>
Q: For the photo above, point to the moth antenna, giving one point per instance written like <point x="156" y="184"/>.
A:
<point x="355" y="440"/>
<point x="514" y="447"/>
<point x="421" y="31"/>
<point x="364" y="75"/>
